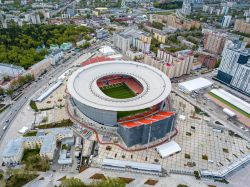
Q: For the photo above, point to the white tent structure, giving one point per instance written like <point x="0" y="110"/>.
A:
<point x="168" y="149"/>
<point x="182" y="117"/>
<point x="229" y="112"/>
<point x="23" y="130"/>
<point x="107" y="50"/>
<point x="195" y="84"/>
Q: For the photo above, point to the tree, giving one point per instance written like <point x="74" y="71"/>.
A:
<point x="85" y="45"/>
<point x="23" y="45"/>
<point x="36" y="163"/>
<point x="72" y="182"/>
<point x="6" y="78"/>
<point x="10" y="92"/>
<point x="1" y="91"/>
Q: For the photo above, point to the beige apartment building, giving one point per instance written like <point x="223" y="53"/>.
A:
<point x="172" y="65"/>
<point x="160" y="37"/>
<point x="214" y="42"/>
<point x="242" y="26"/>
<point x="177" y="23"/>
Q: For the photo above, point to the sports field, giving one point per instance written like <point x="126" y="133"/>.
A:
<point x="118" y="91"/>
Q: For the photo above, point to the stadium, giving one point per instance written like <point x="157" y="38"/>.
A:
<point x="130" y="96"/>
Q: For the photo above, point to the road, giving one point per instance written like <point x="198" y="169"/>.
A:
<point x="7" y="116"/>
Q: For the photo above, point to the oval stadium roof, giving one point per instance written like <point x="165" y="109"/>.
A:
<point x="82" y="85"/>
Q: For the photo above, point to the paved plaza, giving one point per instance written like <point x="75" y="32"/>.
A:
<point x="56" y="98"/>
<point x="205" y="148"/>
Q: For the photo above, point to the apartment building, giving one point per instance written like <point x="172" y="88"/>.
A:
<point x="173" y="65"/>
<point x="242" y="26"/>
<point x="207" y="61"/>
<point x="173" y="22"/>
<point x="234" y="69"/>
<point x="214" y="42"/>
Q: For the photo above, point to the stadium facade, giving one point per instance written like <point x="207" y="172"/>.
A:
<point x="131" y="96"/>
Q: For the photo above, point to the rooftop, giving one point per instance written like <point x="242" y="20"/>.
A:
<point x="83" y="87"/>
<point x="13" y="147"/>
<point x="149" y="120"/>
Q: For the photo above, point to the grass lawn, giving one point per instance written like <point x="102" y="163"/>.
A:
<point x="3" y="108"/>
<point x="63" y="123"/>
<point x="30" y="133"/>
<point x="118" y="91"/>
<point x="30" y="152"/>
<point x="122" y="114"/>
<point x="230" y="105"/>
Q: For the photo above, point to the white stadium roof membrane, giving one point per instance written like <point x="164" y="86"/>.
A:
<point x="82" y="85"/>
<point x="239" y="103"/>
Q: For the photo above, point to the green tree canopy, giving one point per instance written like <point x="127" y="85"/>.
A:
<point x="23" y="46"/>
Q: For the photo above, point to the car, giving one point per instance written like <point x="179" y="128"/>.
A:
<point x="6" y="121"/>
<point x="4" y="128"/>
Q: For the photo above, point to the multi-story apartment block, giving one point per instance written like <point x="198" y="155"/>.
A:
<point x="189" y="5"/>
<point x="173" y="22"/>
<point x="132" y="38"/>
<point x="122" y="42"/>
<point x="214" y="41"/>
<point x="234" y="69"/>
<point x="160" y="37"/>
<point x="226" y="21"/>
<point x="207" y="61"/>
<point x="242" y="26"/>
<point x="174" y="65"/>
<point x="141" y="43"/>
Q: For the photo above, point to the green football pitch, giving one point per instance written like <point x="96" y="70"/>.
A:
<point x="118" y="91"/>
